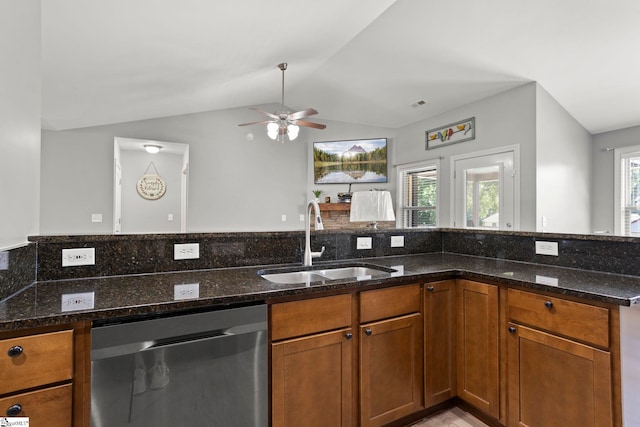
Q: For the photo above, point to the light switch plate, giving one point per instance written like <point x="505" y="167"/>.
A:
<point x="363" y="243"/>
<point x="186" y="251"/>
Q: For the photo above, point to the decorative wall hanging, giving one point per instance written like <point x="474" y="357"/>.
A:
<point x="464" y="130"/>
<point x="151" y="186"/>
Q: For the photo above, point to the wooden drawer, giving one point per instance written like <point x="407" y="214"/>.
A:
<point x="389" y="302"/>
<point x="571" y="319"/>
<point x="49" y="407"/>
<point x="310" y="316"/>
<point x="45" y="359"/>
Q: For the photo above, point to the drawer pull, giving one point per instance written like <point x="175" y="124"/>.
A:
<point x="348" y="335"/>
<point x="15" y="351"/>
<point x="430" y="288"/>
<point x="14" y="410"/>
<point x="368" y="332"/>
<point x="512" y="329"/>
<point x="548" y="304"/>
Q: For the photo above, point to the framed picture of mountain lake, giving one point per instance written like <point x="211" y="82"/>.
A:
<point x="350" y="161"/>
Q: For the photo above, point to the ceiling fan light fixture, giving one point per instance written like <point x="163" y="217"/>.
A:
<point x="285" y="122"/>
<point x="272" y="130"/>
<point x="292" y="132"/>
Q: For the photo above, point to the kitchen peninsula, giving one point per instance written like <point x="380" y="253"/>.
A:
<point x="509" y="282"/>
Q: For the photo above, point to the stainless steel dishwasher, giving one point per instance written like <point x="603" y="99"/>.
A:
<point x="202" y="369"/>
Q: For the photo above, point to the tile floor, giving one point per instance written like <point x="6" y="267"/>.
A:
<point x="453" y="417"/>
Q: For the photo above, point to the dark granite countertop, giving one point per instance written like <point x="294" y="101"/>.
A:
<point x="146" y="294"/>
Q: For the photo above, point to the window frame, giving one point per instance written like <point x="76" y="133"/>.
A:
<point x="619" y="155"/>
<point x="402" y="171"/>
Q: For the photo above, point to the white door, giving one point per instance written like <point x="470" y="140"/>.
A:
<point x="117" y="198"/>
<point x="485" y="191"/>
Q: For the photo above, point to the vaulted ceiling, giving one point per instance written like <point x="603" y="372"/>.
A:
<point x="358" y="61"/>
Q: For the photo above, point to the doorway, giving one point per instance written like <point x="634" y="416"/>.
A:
<point x="486" y="190"/>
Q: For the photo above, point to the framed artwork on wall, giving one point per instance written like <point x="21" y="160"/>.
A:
<point x="464" y="130"/>
<point x="350" y="161"/>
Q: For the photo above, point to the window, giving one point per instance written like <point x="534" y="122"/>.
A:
<point x="627" y="194"/>
<point x="418" y="195"/>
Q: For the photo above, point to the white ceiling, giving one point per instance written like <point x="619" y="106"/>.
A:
<point x="358" y="61"/>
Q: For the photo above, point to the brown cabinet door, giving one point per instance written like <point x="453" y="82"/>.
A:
<point x="439" y="342"/>
<point x="477" y="350"/>
<point x="555" y="382"/>
<point x="311" y="380"/>
<point x="391" y="381"/>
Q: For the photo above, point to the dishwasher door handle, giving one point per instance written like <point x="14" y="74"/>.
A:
<point x="138" y="347"/>
<point x="187" y="339"/>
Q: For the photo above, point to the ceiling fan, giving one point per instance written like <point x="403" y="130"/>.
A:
<point x="285" y="122"/>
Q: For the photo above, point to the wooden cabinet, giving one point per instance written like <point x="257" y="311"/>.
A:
<point x="44" y="376"/>
<point x="312" y="362"/>
<point x="311" y="380"/>
<point x="391" y="349"/>
<point x="439" y="342"/>
<point x="478" y="381"/>
<point x="555" y="380"/>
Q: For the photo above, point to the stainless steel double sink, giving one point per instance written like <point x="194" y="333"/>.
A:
<point x="293" y="275"/>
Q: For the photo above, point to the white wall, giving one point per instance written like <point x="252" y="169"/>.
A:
<point x="602" y="179"/>
<point x="504" y="119"/>
<point x="563" y="166"/>
<point x="235" y="184"/>
<point x="140" y="215"/>
<point x="20" y="77"/>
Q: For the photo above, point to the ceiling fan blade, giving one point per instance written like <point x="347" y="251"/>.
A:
<point x="308" y="124"/>
<point x="302" y="113"/>
<point x="257" y="123"/>
<point x="273" y="116"/>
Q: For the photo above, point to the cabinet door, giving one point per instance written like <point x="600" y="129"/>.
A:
<point x="311" y="380"/>
<point x="390" y="369"/>
<point x="440" y="342"/>
<point x="555" y="382"/>
<point x="477" y="350"/>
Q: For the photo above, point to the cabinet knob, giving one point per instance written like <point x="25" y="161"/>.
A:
<point x="430" y="288"/>
<point x="368" y="331"/>
<point x="512" y="329"/>
<point x="14" y="410"/>
<point x="348" y="335"/>
<point x="15" y="351"/>
<point x="548" y="304"/>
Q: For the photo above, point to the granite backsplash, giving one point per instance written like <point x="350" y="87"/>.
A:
<point x="17" y="269"/>
<point x="137" y="254"/>
<point x="151" y="253"/>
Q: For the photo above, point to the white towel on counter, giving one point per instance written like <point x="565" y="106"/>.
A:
<point x="372" y="206"/>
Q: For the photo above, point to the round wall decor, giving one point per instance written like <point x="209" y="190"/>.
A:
<point x="151" y="186"/>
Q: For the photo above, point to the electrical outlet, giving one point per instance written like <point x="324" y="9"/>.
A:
<point x="78" y="256"/>
<point x="186" y="251"/>
<point x="397" y="241"/>
<point x="96" y="217"/>
<point x="283" y="218"/>
<point x="546" y="248"/>
<point x="186" y="291"/>
<point x="363" y="243"/>
<point x="80" y="301"/>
